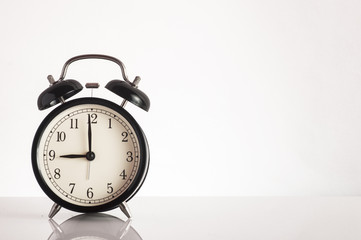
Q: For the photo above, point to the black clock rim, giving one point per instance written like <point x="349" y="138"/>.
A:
<point x="133" y="187"/>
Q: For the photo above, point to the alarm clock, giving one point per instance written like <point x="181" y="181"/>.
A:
<point x="89" y="154"/>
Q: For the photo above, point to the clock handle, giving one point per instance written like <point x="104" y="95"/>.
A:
<point x="95" y="56"/>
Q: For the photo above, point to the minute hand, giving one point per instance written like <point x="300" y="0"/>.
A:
<point x="74" y="156"/>
<point x="89" y="134"/>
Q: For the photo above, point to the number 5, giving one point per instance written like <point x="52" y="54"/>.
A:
<point x="110" y="188"/>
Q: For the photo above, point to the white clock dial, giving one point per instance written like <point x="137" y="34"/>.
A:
<point x="64" y="161"/>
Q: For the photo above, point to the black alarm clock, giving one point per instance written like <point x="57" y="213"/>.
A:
<point x="89" y="154"/>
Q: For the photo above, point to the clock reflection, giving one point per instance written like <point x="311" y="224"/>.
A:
<point x="93" y="226"/>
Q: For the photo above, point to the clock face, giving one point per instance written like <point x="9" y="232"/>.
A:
<point x="89" y="155"/>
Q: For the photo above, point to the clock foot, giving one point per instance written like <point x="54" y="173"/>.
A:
<point x="125" y="209"/>
<point x="54" y="210"/>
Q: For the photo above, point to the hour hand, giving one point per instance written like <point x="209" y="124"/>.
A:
<point x="73" y="156"/>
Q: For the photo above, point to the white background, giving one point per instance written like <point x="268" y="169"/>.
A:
<point x="247" y="97"/>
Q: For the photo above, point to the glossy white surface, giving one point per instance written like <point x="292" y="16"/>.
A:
<point x="190" y="218"/>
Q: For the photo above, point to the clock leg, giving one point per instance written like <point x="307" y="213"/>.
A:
<point x="125" y="209"/>
<point x="54" y="210"/>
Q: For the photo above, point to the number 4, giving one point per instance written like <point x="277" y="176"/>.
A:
<point x="123" y="174"/>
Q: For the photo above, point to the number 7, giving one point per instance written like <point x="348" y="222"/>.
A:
<point x="72" y="185"/>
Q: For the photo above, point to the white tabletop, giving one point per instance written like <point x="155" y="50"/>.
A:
<point x="190" y="218"/>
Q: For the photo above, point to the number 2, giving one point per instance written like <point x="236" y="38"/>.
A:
<point x="125" y="135"/>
